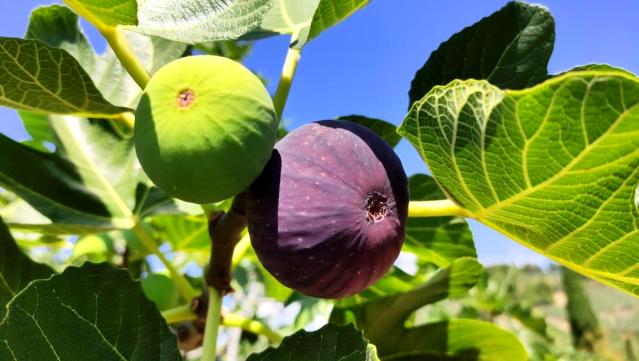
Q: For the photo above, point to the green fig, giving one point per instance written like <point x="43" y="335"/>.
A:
<point x="204" y="129"/>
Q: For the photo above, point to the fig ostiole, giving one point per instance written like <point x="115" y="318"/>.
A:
<point x="205" y="128"/>
<point x="327" y="215"/>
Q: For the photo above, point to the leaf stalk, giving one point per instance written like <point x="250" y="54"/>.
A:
<point x="439" y="208"/>
<point x="286" y="79"/>
<point x="130" y="62"/>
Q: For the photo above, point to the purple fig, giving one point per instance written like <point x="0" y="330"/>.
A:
<point x="327" y="215"/>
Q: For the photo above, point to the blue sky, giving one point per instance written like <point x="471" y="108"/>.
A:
<point x="365" y="65"/>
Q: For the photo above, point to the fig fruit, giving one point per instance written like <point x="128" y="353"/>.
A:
<point x="327" y="215"/>
<point x="205" y="128"/>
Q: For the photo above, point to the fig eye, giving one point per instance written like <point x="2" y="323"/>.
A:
<point x="376" y="208"/>
<point x="185" y="98"/>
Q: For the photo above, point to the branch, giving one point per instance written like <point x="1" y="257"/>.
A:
<point x="439" y="208"/>
<point x="225" y="231"/>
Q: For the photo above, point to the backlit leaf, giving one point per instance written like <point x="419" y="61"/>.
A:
<point x="554" y="167"/>
<point x="43" y="79"/>
<point x="194" y="21"/>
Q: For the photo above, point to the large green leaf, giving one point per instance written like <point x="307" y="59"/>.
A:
<point x="554" y="167"/>
<point x="57" y="26"/>
<point x="435" y="240"/>
<point x="106" y="163"/>
<point x="329" y="343"/>
<point x="305" y="19"/>
<point x="383" y="321"/>
<point x="194" y="21"/>
<point x="43" y="79"/>
<point x="510" y="49"/>
<point x="331" y="12"/>
<point x="99" y="306"/>
<point x="107" y="12"/>
<point x="384" y="129"/>
<point x="54" y="187"/>
<point x="16" y="269"/>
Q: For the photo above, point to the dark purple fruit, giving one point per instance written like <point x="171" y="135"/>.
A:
<point x="327" y="215"/>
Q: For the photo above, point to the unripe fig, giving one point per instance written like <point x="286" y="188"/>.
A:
<point x="327" y="215"/>
<point x="204" y="129"/>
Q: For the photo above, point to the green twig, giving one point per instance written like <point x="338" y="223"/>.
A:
<point x="129" y="61"/>
<point x="186" y="290"/>
<point x="438" y="208"/>
<point x="286" y="79"/>
<point x="209" y="342"/>
<point x="247" y="324"/>
<point x="179" y="314"/>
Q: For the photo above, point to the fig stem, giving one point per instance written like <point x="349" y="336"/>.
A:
<point x="120" y="45"/>
<point x="225" y="231"/>
<point x="286" y="79"/>
<point x="209" y="343"/>
<point x="186" y="290"/>
<point x="439" y="208"/>
<point x="253" y="326"/>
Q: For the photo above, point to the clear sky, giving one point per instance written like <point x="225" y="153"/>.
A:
<point x="365" y="65"/>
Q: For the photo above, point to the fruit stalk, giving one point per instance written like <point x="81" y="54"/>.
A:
<point x="225" y="231"/>
<point x="439" y="208"/>
<point x="286" y="79"/>
<point x="129" y="61"/>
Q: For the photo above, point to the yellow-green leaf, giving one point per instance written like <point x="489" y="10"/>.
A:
<point x="43" y="79"/>
<point x="554" y="167"/>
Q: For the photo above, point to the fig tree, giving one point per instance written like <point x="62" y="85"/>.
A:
<point x="205" y="128"/>
<point x="327" y="215"/>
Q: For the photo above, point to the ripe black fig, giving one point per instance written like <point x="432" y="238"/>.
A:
<point x="327" y="215"/>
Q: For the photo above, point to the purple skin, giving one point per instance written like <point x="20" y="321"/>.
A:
<point x="327" y="215"/>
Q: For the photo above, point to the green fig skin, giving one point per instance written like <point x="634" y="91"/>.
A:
<point x="205" y="128"/>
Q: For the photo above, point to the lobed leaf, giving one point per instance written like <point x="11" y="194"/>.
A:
<point x="329" y="343"/>
<point x="509" y="48"/>
<point x="554" y="167"/>
<point x="193" y="21"/>
<point x="99" y="306"/>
